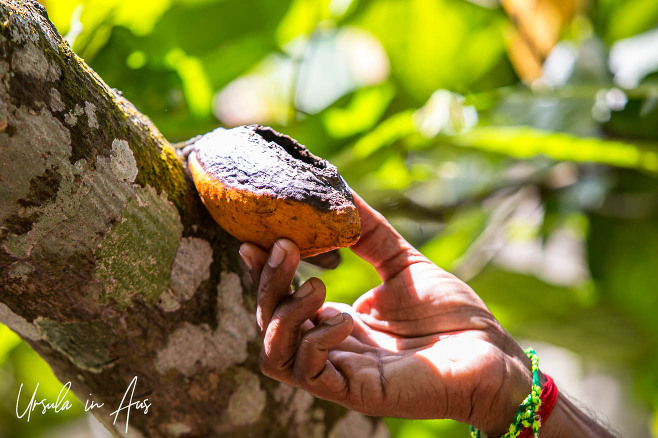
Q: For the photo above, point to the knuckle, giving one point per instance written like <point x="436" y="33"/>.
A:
<point x="316" y="283"/>
<point x="265" y="365"/>
<point x="298" y="378"/>
<point x="307" y="342"/>
<point x="260" y="320"/>
<point x="264" y="287"/>
<point x="274" y="329"/>
<point x="267" y="282"/>
<point x="278" y="316"/>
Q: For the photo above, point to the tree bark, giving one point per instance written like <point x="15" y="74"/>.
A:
<point x="111" y="268"/>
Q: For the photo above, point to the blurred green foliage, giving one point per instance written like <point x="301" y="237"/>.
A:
<point x="543" y="197"/>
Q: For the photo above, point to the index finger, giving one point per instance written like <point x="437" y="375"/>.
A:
<point x="273" y="274"/>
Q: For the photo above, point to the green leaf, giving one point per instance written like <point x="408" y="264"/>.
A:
<point x="392" y="129"/>
<point x="526" y="142"/>
<point x="623" y="258"/>
<point x="196" y="86"/>
<point x="350" y="280"/>
<point x="631" y="17"/>
<point x="447" y="247"/>
<point x="393" y="174"/>
<point x="301" y="19"/>
<point x="361" y="113"/>
<point x="8" y="341"/>
<point x="532" y="309"/>
<point x="427" y="428"/>
<point x="435" y="44"/>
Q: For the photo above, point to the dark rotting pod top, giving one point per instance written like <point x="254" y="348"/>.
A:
<point x="263" y="161"/>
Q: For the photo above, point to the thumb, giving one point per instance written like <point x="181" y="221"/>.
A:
<point x="380" y="245"/>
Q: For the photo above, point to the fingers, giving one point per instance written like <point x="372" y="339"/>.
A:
<point x="296" y="352"/>
<point x="284" y="330"/>
<point x="273" y="277"/>
<point x="297" y="356"/>
<point x="254" y="258"/>
<point x="380" y="245"/>
<point x="361" y="338"/>
<point x="311" y="369"/>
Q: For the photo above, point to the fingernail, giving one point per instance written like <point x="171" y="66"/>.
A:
<point x="246" y="259"/>
<point x="336" y="319"/>
<point x="304" y="290"/>
<point x="278" y="255"/>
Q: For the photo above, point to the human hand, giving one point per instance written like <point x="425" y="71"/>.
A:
<point x="420" y="345"/>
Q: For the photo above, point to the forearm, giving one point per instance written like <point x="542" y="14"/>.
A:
<point x="567" y="420"/>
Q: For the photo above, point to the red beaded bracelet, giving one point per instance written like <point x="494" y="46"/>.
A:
<point x="548" y="398"/>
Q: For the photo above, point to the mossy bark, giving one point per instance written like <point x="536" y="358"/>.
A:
<point x="111" y="268"/>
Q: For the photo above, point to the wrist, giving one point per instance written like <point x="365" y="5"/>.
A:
<point x="516" y="388"/>
<point x="516" y="398"/>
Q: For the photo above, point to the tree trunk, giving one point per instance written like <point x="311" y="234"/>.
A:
<point x="111" y="268"/>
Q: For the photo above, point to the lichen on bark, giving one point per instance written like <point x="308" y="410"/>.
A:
<point x="81" y="342"/>
<point x="134" y="259"/>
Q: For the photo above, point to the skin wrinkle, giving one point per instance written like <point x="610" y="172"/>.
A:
<point x="317" y="376"/>
<point x="418" y="319"/>
<point x="472" y="404"/>
<point x="401" y="308"/>
<point x="397" y="401"/>
<point x="445" y="397"/>
<point x="382" y="378"/>
<point x="497" y="394"/>
<point x="399" y="267"/>
<point x="279" y="315"/>
<point x="405" y="309"/>
<point x="264" y="290"/>
<point x="288" y="363"/>
<point x="404" y="249"/>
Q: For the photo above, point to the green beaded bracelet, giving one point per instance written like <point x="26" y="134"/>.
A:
<point x="526" y="414"/>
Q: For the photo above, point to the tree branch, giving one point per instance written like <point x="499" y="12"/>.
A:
<point x="110" y="267"/>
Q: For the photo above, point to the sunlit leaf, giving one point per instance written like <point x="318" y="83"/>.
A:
<point x="393" y="174"/>
<point x="387" y="132"/>
<point x="631" y="17"/>
<point x="350" y="280"/>
<point x="99" y="16"/>
<point x="301" y="19"/>
<point x="199" y="29"/>
<point x="436" y="44"/>
<point x="427" y="428"/>
<point x="452" y="242"/>
<point x="363" y="111"/>
<point x="60" y="11"/>
<point x="234" y="58"/>
<point x="525" y="142"/>
<point x="8" y="340"/>
<point x="198" y="92"/>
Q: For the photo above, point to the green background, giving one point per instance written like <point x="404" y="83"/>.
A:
<point x="543" y="197"/>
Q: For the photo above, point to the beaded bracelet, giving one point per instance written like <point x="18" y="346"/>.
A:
<point x="527" y="416"/>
